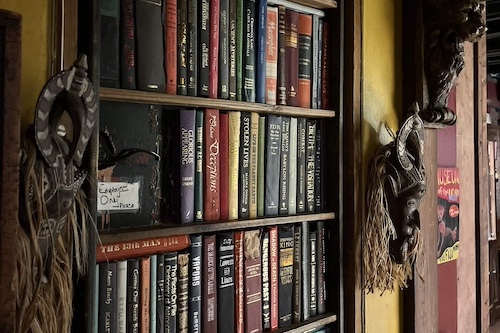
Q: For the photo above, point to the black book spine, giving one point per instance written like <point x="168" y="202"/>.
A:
<point x="225" y="282"/>
<point x="249" y="52"/>
<point x="318" y="185"/>
<point x="224" y="47"/>
<point x="313" y="305"/>
<point x="285" y="165"/>
<point x="133" y="283"/>
<point x="301" y="164"/>
<point x="109" y="57"/>
<point x="321" y="268"/>
<point x="285" y="287"/>
<point x="244" y="178"/>
<point x="273" y="153"/>
<point x="183" y="293"/>
<point x="281" y="57"/>
<point x="182" y="48"/>
<point x="127" y="40"/>
<point x="266" y="299"/>
<point x="310" y="164"/>
<point x="297" y="274"/>
<point x="195" y="253"/>
<point x="232" y="49"/>
<point x="306" y="271"/>
<point x="171" y="270"/>
<point x="150" y="53"/>
<point x="107" y="297"/>
<point x="160" y="293"/>
<point x="192" y="51"/>
<point x="204" y="42"/>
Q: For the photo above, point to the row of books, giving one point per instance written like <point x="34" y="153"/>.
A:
<point x="240" y="165"/>
<point x="243" y="281"/>
<point x="231" y="49"/>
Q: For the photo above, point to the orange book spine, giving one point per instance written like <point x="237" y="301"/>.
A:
<point x="145" y="283"/>
<point x="271" y="55"/>
<point x="239" y="304"/>
<point x="305" y="60"/>
<point x="171" y="46"/>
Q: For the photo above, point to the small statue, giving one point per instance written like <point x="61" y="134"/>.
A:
<point x="396" y="185"/>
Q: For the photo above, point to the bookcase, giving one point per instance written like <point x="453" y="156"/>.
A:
<point x="124" y="113"/>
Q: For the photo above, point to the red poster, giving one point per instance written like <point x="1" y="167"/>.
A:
<point x="448" y="214"/>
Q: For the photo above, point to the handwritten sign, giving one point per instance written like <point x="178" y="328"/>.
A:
<point x="117" y="196"/>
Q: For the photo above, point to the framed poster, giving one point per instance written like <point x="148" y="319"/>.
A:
<point x="448" y="212"/>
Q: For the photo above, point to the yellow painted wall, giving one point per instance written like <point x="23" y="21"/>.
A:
<point x="382" y="95"/>
<point x="35" y="50"/>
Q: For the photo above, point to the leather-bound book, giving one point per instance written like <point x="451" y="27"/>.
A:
<point x="183" y="293"/>
<point x="234" y="157"/>
<point x="171" y="271"/>
<point x="204" y="44"/>
<point x="209" y="285"/>
<point x="150" y="53"/>
<point x="212" y="165"/>
<point x="127" y="45"/>
<point x="254" y="147"/>
<point x="282" y="65"/>
<point x="285" y="165"/>
<point x="224" y="46"/>
<point x="244" y="168"/>
<point x="285" y="289"/>
<point x="272" y="55"/>
<point x="171" y="46"/>
<point x="107" y="297"/>
<point x="109" y="38"/>
<point x="195" y="282"/>
<point x="133" y="285"/>
<point x="274" y="276"/>
<point x="304" y="30"/>
<point x="145" y="285"/>
<point x="301" y="164"/>
<point x="266" y="297"/>
<point x="310" y="164"/>
<point x="260" y="50"/>
<point x="213" y="61"/>
<point x="253" y="281"/>
<point x="192" y="47"/>
<point x="225" y="282"/>
<point x="198" y="175"/>
<point x="291" y="57"/>
<point x="224" y="165"/>
<point x="239" y="282"/>
<point x="273" y="160"/>
<point x="182" y="47"/>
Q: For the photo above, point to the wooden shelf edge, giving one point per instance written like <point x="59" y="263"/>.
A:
<point x="121" y="235"/>
<point x="319" y="4"/>
<point x="138" y="96"/>
<point x="311" y="325"/>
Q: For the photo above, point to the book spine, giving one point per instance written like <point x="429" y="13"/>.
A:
<point x="107" y="297"/>
<point x="301" y="164"/>
<point x="321" y="265"/>
<point x="224" y="46"/>
<point x="297" y="274"/>
<point x="121" y="296"/>
<point x="194" y="303"/>
<point x="160" y="293"/>
<point x="306" y="271"/>
<point x="261" y="152"/>
<point x="291" y="57"/>
<point x="240" y="20"/>
<point x="95" y="300"/>
<point x="225" y="282"/>
<point x="273" y="153"/>
<point x="310" y="164"/>
<point x="285" y="165"/>
<point x="319" y="73"/>
<point x="212" y="166"/>
<point x="182" y="47"/>
<point x="204" y="43"/>
<point x="304" y="31"/>
<point x="282" y="65"/>
<point x="171" y="270"/>
<point x="198" y="176"/>
<point x="153" y="270"/>
<point x="239" y="282"/>
<point x="127" y="45"/>
<point x="224" y="165"/>
<point x="244" y="178"/>
<point x="192" y="51"/>
<point x="150" y="54"/>
<point x="145" y="285"/>
<point x="315" y="60"/>
<point x="273" y="276"/>
<point x="253" y="281"/>
<point x="266" y="304"/>
<point x="313" y="305"/>
<point x="143" y="247"/>
<point x="271" y="55"/>
<point x="254" y="147"/>
<point x="214" y="48"/>
<point x="133" y="284"/>
<point x="232" y="49"/>
<point x="171" y="46"/>
<point x="249" y="51"/>
<point x="109" y="38"/>
<point x="318" y="186"/>
<point x="260" y="46"/>
<point x="187" y="164"/>
<point x="234" y="144"/>
<point x="325" y="101"/>
<point x="209" y="297"/>
<point x="292" y="174"/>
<point x="183" y="293"/>
<point x="285" y="289"/>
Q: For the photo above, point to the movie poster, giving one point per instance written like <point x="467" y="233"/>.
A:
<point x="448" y="214"/>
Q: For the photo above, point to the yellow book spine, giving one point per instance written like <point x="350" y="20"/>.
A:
<point x="234" y="146"/>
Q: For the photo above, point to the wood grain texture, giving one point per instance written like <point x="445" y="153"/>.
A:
<point x="10" y="24"/>
<point x="319" y="4"/>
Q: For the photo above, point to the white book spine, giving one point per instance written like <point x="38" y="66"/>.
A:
<point x="121" y="296"/>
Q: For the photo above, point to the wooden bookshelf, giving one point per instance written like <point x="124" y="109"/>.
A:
<point x="310" y="325"/>
<point x="137" y="96"/>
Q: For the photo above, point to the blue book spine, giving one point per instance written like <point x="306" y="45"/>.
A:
<point x="260" y="63"/>
<point x="187" y="164"/>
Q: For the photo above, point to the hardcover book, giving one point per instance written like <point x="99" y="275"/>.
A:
<point x="107" y="297"/>
<point x="315" y="60"/>
<point x="171" y="271"/>
<point x="254" y="147"/>
<point x="321" y="267"/>
<point x="291" y="57"/>
<point x="297" y="274"/>
<point x="319" y="71"/>
<point x="121" y="296"/>
<point x="150" y="54"/>
<point x="244" y="177"/>
<point x="127" y="45"/>
<point x="153" y="273"/>
<point x="253" y="281"/>
<point x="192" y="47"/>
<point x="310" y="164"/>
<point x="318" y="169"/>
<point x="301" y="165"/>
<point x="225" y="282"/>
<point x="325" y="96"/>
<point x="198" y="176"/>
<point x="182" y="293"/>
<point x="195" y="281"/>
<point x="109" y="57"/>
<point x="305" y="60"/>
<point x="182" y="47"/>
<point x="260" y="50"/>
<point x="249" y="51"/>
<point x="306" y="271"/>
<point x="160" y="293"/>
<point x="224" y="46"/>
<point x="213" y="84"/>
<point x="273" y="161"/>
<point x="239" y="283"/>
<point x="261" y="151"/>
<point x="282" y="65"/>
<point x="266" y="298"/>
<point x="212" y="165"/>
<point x="133" y="283"/>
<point x="292" y="174"/>
<point x="233" y="55"/>
<point x="204" y="37"/>
<point x="313" y="305"/>
<point x="285" y="289"/>
<point x="224" y="165"/>
<point x="274" y="275"/>
<point x="240" y="17"/>
<point x="272" y="55"/>
<point x="171" y="46"/>
<point x="209" y="298"/>
<point x="285" y="165"/>
<point x="144" y="294"/>
<point x="234" y="146"/>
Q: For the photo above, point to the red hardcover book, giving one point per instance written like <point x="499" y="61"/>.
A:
<point x="272" y="55"/>
<point x="239" y="282"/>
<point x="209" y="286"/>
<point x="305" y="60"/>
<point x="212" y="165"/>
<point x="171" y="46"/>
<point x="145" y="284"/>
<point x="224" y="165"/>
<point x="325" y="101"/>
<point x="253" y="281"/>
<point x="214" y="48"/>
<point x="273" y="267"/>
<point x="141" y="247"/>
<point x="291" y="56"/>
